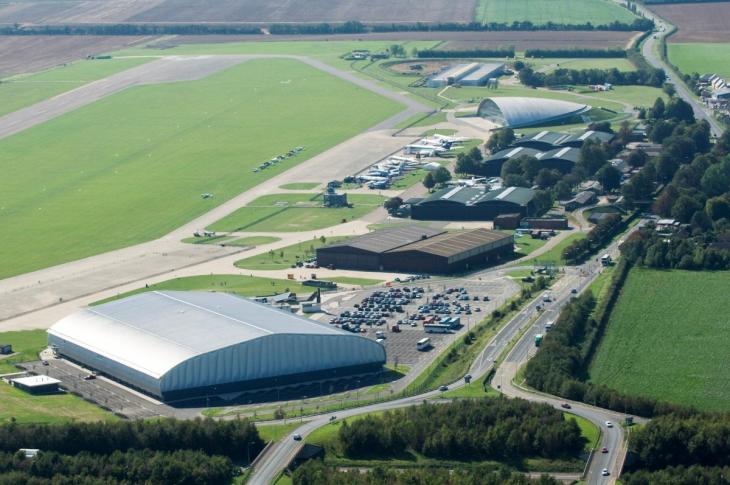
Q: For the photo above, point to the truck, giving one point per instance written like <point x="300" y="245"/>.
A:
<point x="538" y="339"/>
<point x="549" y="326"/>
<point x="606" y="260"/>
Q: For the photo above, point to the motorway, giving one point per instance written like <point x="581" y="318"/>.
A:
<point x="649" y="51"/>
<point x="523" y="326"/>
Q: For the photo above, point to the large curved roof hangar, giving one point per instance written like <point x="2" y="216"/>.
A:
<point x="518" y="112"/>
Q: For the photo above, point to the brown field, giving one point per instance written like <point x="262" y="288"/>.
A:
<point x="44" y="11"/>
<point x="21" y="54"/>
<point x="697" y="22"/>
<point x="309" y="11"/>
<point x="544" y="39"/>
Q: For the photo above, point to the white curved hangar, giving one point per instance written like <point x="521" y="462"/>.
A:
<point x="179" y="345"/>
<point x="518" y="112"/>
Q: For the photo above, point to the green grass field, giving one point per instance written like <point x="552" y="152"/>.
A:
<point x="294" y="212"/>
<point x="24" y="90"/>
<point x="26" y="343"/>
<point x="275" y="432"/>
<point x="556" y="11"/>
<point x="590" y="431"/>
<point x="300" y="186"/>
<point x="132" y="166"/>
<point x="621" y="64"/>
<point x="555" y="254"/>
<point x="702" y="58"/>
<point x="57" y="408"/>
<point x="238" y="284"/>
<point x="285" y="257"/>
<point x="526" y="245"/>
<point x="349" y="280"/>
<point x="668" y="339"/>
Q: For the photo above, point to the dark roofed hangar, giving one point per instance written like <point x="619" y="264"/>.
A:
<point x="474" y="204"/>
<point x="419" y="249"/>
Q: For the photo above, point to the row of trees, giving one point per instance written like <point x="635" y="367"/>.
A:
<point x="470" y="429"/>
<point x="572" y="53"/>
<point x="316" y="473"/>
<point x="637" y="25"/>
<point x="443" y="54"/>
<point x="234" y="439"/>
<point x="560" y="366"/>
<point x="137" y="466"/>
<point x="439" y="176"/>
<point x="132" y="29"/>
<point x="561" y="77"/>
<point x="679" y="475"/>
<point x="598" y="237"/>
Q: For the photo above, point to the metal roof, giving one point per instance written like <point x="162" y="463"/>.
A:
<point x="548" y="137"/>
<point x="388" y="239"/>
<point x="154" y="331"/>
<point x="513" y="152"/>
<point x="566" y="153"/>
<point x="518" y="112"/>
<point x="35" y="381"/>
<point x="485" y="70"/>
<point x="590" y="135"/>
<point x="477" y="195"/>
<point x="455" y="243"/>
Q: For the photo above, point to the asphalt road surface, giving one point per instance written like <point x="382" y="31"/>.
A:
<point x="278" y="456"/>
<point x="649" y="52"/>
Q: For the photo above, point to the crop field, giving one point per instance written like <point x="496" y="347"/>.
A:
<point x="24" y="90"/>
<point x="611" y="63"/>
<point x="697" y="21"/>
<point x="556" y="11"/>
<point x="668" y="339"/>
<point x="25" y="53"/>
<point x="538" y="39"/>
<point x="310" y="11"/>
<point x="702" y="58"/>
<point x="295" y="212"/>
<point x="133" y="166"/>
<point x="239" y="284"/>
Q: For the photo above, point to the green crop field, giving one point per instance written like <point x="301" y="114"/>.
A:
<point x="132" y="166"/>
<point x="56" y="408"/>
<point x="702" y="58"/>
<point x="668" y="339"/>
<point x="295" y="212"/>
<point x="556" y="11"/>
<point x="24" y="90"/>
<point x="239" y="284"/>
<point x="597" y="63"/>
<point x="285" y="257"/>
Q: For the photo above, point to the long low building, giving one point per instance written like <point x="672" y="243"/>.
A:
<point x="474" y="204"/>
<point x="418" y="249"/>
<point x="178" y="345"/>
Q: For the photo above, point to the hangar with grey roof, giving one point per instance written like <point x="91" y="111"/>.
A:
<point x="178" y="345"/>
<point x="476" y="203"/>
<point x="518" y="112"/>
<point x="418" y="249"/>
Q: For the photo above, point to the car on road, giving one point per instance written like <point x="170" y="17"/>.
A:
<point x="604" y="450"/>
<point x="574" y="291"/>
<point x="89" y="377"/>
<point x="609" y="424"/>
<point x="565" y="405"/>
<point x="604" y="472"/>
<point x="444" y="388"/>
<point x="44" y="362"/>
<point x="297" y="437"/>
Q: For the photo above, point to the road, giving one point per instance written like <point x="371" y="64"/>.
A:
<point x="649" y="51"/>
<point x="523" y="326"/>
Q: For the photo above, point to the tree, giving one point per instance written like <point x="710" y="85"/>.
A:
<point x="441" y="175"/>
<point x="515" y="180"/>
<point x="609" y="177"/>
<point x="669" y="89"/>
<point x="625" y="133"/>
<point x="716" y="179"/>
<point x="500" y="140"/>
<point x="511" y="167"/>
<point x="661" y="130"/>
<point x="664" y="203"/>
<point x="543" y="201"/>
<point x="657" y="111"/>
<point x="464" y="164"/>
<point x="428" y="181"/>
<point x="637" y="158"/>
<point x="546" y="178"/>
<point x="392" y="204"/>
<point x="529" y="167"/>
<point x="563" y="190"/>
<point x="717" y="208"/>
<point x="679" y="109"/>
<point x="475" y="154"/>
<point x="397" y="50"/>
<point x="592" y="157"/>
<point x="684" y="208"/>
<point x="722" y="145"/>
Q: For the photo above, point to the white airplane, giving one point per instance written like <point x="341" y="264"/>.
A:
<point x="450" y="139"/>
<point x="424" y="150"/>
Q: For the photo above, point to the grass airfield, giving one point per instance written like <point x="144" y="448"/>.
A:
<point x="133" y="166"/>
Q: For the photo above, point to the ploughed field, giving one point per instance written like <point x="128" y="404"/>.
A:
<point x="133" y="166"/>
<point x="698" y="21"/>
<point x="668" y="339"/>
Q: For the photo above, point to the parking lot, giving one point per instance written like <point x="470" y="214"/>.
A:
<point x="398" y="316"/>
